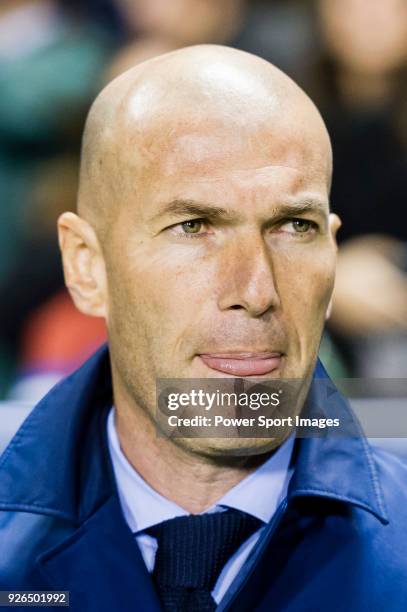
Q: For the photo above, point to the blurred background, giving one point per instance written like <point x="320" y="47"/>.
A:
<point x="55" y="55"/>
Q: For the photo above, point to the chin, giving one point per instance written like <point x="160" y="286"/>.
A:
<point x="224" y="448"/>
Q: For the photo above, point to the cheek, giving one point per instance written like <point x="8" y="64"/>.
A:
<point x="305" y="282"/>
<point x="161" y="292"/>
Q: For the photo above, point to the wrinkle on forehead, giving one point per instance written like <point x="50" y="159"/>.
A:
<point x="238" y="151"/>
<point x="161" y="112"/>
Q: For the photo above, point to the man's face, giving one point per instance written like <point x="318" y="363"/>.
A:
<point x="224" y="251"/>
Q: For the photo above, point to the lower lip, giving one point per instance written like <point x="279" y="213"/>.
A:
<point x="242" y="366"/>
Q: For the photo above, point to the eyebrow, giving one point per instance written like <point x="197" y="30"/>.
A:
<point x="304" y="206"/>
<point x="181" y="208"/>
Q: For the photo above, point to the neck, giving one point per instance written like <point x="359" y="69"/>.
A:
<point x="188" y="478"/>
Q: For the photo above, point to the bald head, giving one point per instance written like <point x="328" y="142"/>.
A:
<point x="144" y="120"/>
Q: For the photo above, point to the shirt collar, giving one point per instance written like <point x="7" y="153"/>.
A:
<point x="259" y="494"/>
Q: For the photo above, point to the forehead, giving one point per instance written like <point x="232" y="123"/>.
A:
<point x="203" y="150"/>
<point x="245" y="172"/>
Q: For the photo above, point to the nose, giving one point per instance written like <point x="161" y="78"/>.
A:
<point x="247" y="277"/>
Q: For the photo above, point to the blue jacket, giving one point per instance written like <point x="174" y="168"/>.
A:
<point x="338" y="543"/>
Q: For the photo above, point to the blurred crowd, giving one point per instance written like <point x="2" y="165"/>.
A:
<point x="55" y="55"/>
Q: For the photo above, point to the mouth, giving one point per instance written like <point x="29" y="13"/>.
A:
<point x="243" y="363"/>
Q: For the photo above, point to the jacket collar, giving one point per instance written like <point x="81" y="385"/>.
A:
<point x="100" y="565"/>
<point x="57" y="463"/>
<point x="340" y="467"/>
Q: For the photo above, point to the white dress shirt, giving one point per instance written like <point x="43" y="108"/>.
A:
<point x="259" y="494"/>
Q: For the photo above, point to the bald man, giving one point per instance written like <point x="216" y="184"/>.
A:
<point x="204" y="239"/>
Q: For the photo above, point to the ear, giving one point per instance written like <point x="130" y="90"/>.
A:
<point x="328" y="310"/>
<point x="83" y="262"/>
<point x="334" y="225"/>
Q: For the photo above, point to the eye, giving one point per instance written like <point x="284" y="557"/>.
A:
<point x="298" y="226"/>
<point x="192" y="227"/>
